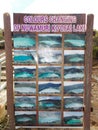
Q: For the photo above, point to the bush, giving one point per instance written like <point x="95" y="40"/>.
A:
<point x="95" y="52"/>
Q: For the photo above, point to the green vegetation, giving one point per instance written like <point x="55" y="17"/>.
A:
<point x="1" y="34"/>
<point x="1" y="38"/>
<point x="95" y="45"/>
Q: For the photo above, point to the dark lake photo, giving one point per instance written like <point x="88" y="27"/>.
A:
<point x="49" y="87"/>
<point x="74" y="40"/>
<point x="52" y="72"/>
<point x="73" y="72"/>
<point x="49" y="102"/>
<point x="50" y="40"/>
<point x="24" y="40"/>
<point x="24" y="88"/>
<point x="25" y="57"/>
<point x="25" y="118"/>
<point x="73" y="56"/>
<point x="73" y="88"/>
<point x="73" y="118"/>
<point x="25" y="102"/>
<point x="24" y="72"/>
<point x="73" y="103"/>
<point x="49" y="118"/>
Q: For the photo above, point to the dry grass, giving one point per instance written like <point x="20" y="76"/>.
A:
<point x="4" y="123"/>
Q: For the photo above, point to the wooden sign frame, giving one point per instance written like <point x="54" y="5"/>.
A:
<point x="87" y="73"/>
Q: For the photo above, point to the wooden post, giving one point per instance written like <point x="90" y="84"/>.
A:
<point x="88" y="72"/>
<point x="9" y="70"/>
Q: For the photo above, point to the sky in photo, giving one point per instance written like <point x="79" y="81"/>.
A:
<point x="49" y="6"/>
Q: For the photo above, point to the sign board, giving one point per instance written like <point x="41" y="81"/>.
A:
<point x="49" y="70"/>
<point x="52" y="23"/>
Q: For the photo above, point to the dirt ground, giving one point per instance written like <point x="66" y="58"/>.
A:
<point x="94" y="96"/>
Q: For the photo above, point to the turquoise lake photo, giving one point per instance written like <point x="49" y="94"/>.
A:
<point x="74" y="40"/>
<point x="24" y="40"/>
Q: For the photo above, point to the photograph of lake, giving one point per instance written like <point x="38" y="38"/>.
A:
<point x="49" y="56"/>
<point x="25" y="57"/>
<point x="73" y="72"/>
<point x="52" y="72"/>
<point x="49" y="118"/>
<point x="50" y="40"/>
<point x="73" y="88"/>
<point x="49" y="87"/>
<point x="74" y="41"/>
<point x="24" y="88"/>
<point x="24" y="72"/>
<point x="25" y="118"/>
<point x="24" y="40"/>
<point x="25" y="102"/>
<point x="49" y="102"/>
<point x="73" y="118"/>
<point x="73" y="56"/>
<point x="73" y="103"/>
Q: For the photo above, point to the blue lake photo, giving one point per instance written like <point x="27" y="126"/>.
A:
<point x="73" y="72"/>
<point x="73" y="88"/>
<point x="25" y="102"/>
<point x="24" y="72"/>
<point x="25" y="57"/>
<point x="24" y="88"/>
<point x="74" y="40"/>
<point x="73" y="103"/>
<point x="73" y="56"/>
<point x="49" y="118"/>
<point x="50" y="40"/>
<point x="53" y="72"/>
<point x="49" y="102"/>
<point x="49" y="87"/>
<point x="25" y="118"/>
<point x="73" y="118"/>
<point x="24" y="40"/>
